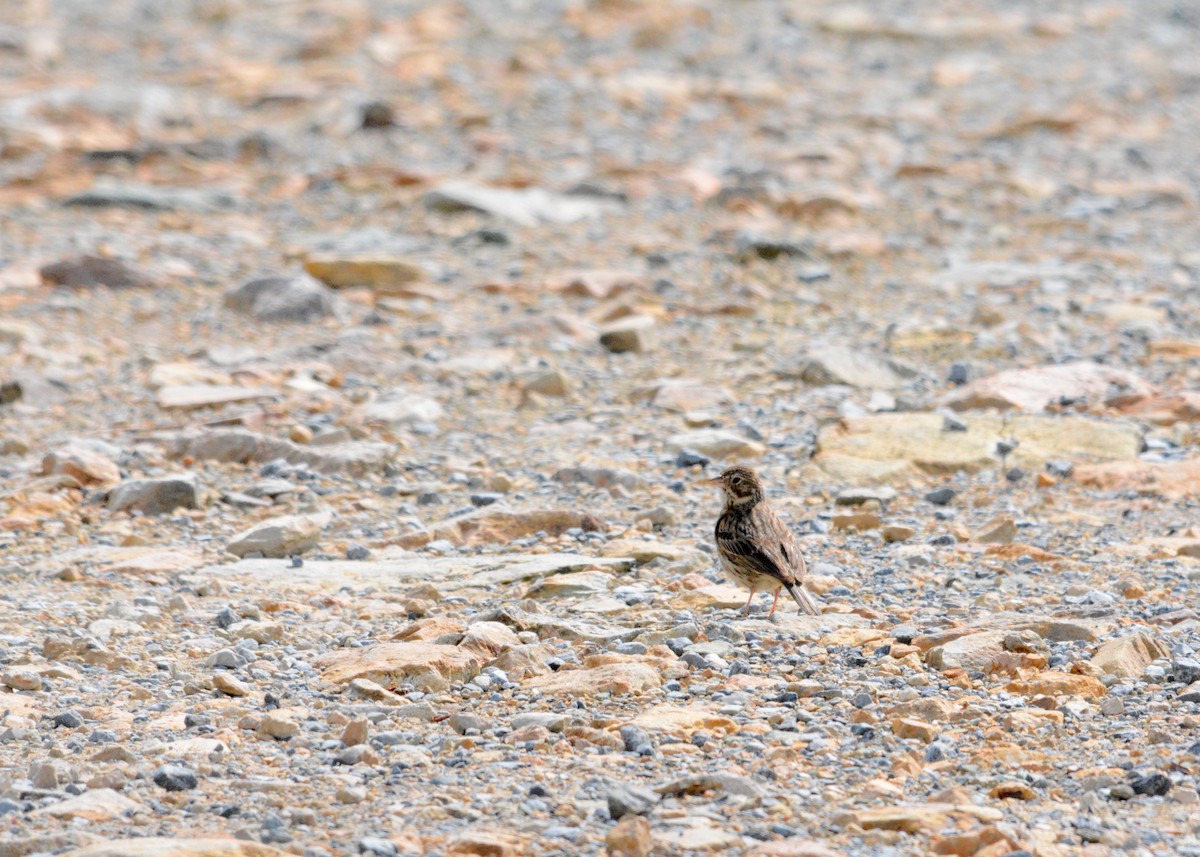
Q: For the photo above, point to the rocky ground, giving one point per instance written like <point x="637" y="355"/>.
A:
<point x="359" y="361"/>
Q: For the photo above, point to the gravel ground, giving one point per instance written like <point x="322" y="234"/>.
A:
<point x="359" y="362"/>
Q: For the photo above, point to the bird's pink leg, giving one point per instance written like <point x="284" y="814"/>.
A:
<point x="746" y="612"/>
<point x="774" y="602"/>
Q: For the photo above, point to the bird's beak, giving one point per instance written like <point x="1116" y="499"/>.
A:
<point x="716" y="480"/>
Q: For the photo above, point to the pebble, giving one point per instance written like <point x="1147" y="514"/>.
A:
<point x="175" y="778"/>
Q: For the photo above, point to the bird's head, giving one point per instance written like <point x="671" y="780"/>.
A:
<point x="739" y="484"/>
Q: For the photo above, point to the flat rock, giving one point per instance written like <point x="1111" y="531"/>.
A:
<point x="918" y="818"/>
<point x="428" y="666"/>
<point x="891" y="446"/>
<point x="527" y="207"/>
<point x="119" y="194"/>
<point x="282" y="299"/>
<point x="91" y="272"/>
<point x="85" y="465"/>
<point x="448" y="574"/>
<point x="682" y="721"/>
<point x="618" y="678"/>
<point x="716" y="443"/>
<point x="1052" y="683"/>
<point x="1174" y="479"/>
<point x="793" y="847"/>
<point x="573" y="584"/>
<point x="699" y="834"/>
<point x="189" y="397"/>
<point x="165" y="846"/>
<point x="1042" y="387"/>
<point x="852" y="367"/>
<point x="386" y="274"/>
<point x="94" y="805"/>
<point x="1128" y="657"/>
<point x="398" y="408"/>
<point x="633" y="333"/>
<point x="972" y="652"/>
<point x="279" y="537"/>
<point x="492" y="525"/>
<point x="246" y="447"/>
<point x="159" y="496"/>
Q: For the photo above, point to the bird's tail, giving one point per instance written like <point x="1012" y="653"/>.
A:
<point x="806" y="602"/>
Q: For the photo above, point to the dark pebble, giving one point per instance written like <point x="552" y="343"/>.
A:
<point x="68" y="719"/>
<point x="176" y="778"/>
<point x="940" y="496"/>
<point x="691" y="458"/>
<point x="1156" y="784"/>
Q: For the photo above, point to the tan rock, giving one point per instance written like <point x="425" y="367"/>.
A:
<point x="689" y="394"/>
<point x="1058" y="684"/>
<point x="388" y="275"/>
<point x="277" y="726"/>
<point x="94" y="805"/>
<point x="428" y="666"/>
<point x="356" y="732"/>
<point x="908" y="727"/>
<point x="1174" y="479"/>
<point x="933" y="709"/>
<point x="898" y="533"/>
<point x="683" y="722"/>
<point x="849" y="366"/>
<point x="521" y="662"/>
<point x="860" y="522"/>
<point x="549" y="383"/>
<point x="189" y="397"/>
<point x="489" y="639"/>
<point x="693" y="834"/>
<point x="170" y="847"/>
<point x="594" y="282"/>
<point x="229" y="685"/>
<point x="856" y="637"/>
<point x="490" y="526"/>
<point x="972" y="652"/>
<point x="573" y="584"/>
<point x="86" y="466"/>
<point x="1039" y="388"/>
<point x="279" y="537"/>
<point x="1128" y="657"/>
<point x="429" y="629"/>
<point x="647" y="550"/>
<point x="629" y="837"/>
<point x="488" y="844"/>
<point x="633" y="333"/>
<point x="716" y="443"/>
<point x="1012" y="790"/>
<point x="998" y="531"/>
<point x="794" y="847"/>
<point x="919" y="818"/>
<point x="888" y="446"/>
<point x="615" y="678"/>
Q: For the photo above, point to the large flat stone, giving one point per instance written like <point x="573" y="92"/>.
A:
<point x="889" y="446"/>
<point x="1039" y="387"/>
<point x="446" y="573"/>
<point x="428" y="666"/>
<point x="166" y="846"/>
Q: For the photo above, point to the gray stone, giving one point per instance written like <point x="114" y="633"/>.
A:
<point x="176" y="778"/>
<point x="159" y="496"/>
<point x="245" y="447"/>
<point x="629" y="799"/>
<point x="285" y="299"/>
<point x="108" y="193"/>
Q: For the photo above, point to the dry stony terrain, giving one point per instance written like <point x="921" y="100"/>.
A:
<point x="360" y="359"/>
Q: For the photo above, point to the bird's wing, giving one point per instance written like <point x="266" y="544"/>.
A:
<point x="765" y="546"/>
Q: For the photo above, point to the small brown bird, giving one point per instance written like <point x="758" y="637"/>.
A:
<point x="757" y="549"/>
